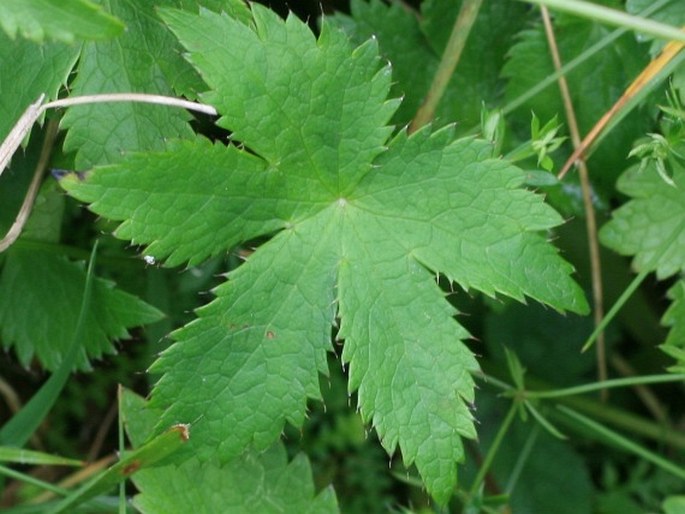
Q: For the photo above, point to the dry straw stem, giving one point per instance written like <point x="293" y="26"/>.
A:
<point x="644" y="79"/>
<point x="34" y="112"/>
<point x="590" y="218"/>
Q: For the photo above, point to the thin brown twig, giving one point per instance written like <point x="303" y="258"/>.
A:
<point x="590" y="219"/>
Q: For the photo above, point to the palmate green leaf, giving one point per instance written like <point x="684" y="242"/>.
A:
<point x="102" y="133"/>
<point x="57" y="19"/>
<point x="256" y="482"/>
<point x="360" y="224"/>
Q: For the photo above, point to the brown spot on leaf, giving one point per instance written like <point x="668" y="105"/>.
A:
<point x="131" y="468"/>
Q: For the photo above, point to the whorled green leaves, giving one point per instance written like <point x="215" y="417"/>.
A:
<point x="360" y="225"/>
<point x="651" y="228"/>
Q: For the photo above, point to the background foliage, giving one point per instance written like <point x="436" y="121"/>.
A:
<point x="354" y="309"/>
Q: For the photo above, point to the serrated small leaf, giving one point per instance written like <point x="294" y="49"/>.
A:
<point x="255" y="482"/>
<point x="57" y="19"/>
<point x="39" y="307"/>
<point x="359" y="226"/>
<point x="651" y="226"/>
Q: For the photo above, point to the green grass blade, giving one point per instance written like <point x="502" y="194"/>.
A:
<point x="148" y="454"/>
<point x="21" y="456"/>
<point x="623" y="442"/>
<point x="19" y="429"/>
<point x="613" y="17"/>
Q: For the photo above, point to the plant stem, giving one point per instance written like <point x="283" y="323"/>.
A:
<point x="614" y="17"/>
<point x="131" y="97"/>
<point x="590" y="219"/>
<point x="23" y="215"/>
<point x="448" y="63"/>
<point x="607" y="384"/>
<point x="492" y="451"/>
<point x="602" y="412"/>
<point x="624" y="443"/>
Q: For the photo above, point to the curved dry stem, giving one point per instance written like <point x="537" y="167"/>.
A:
<point x="24" y="212"/>
<point x="34" y="111"/>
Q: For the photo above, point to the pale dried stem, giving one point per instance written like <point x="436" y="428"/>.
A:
<point x="24" y="212"/>
<point x="590" y="219"/>
<point x="33" y="113"/>
<point x="448" y="63"/>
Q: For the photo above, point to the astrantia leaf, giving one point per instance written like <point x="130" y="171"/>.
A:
<point x="39" y="308"/>
<point x="255" y="482"/>
<point x="57" y="19"/>
<point x="651" y="226"/>
<point x="360" y="224"/>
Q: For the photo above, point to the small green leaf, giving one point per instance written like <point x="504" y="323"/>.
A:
<point x="651" y="226"/>
<point x="57" y="19"/>
<point x="255" y="482"/>
<point x="28" y="70"/>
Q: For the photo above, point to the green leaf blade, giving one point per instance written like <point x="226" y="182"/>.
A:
<point x="44" y="69"/>
<point x="651" y="226"/>
<point x="465" y="215"/>
<point x="272" y="86"/>
<point x="191" y="202"/>
<point x="61" y="21"/>
<point x="52" y="286"/>
<point x="102" y="133"/>
<point x="251" y="360"/>
<point x="405" y="354"/>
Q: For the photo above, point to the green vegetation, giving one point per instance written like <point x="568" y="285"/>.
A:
<point x="334" y="266"/>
